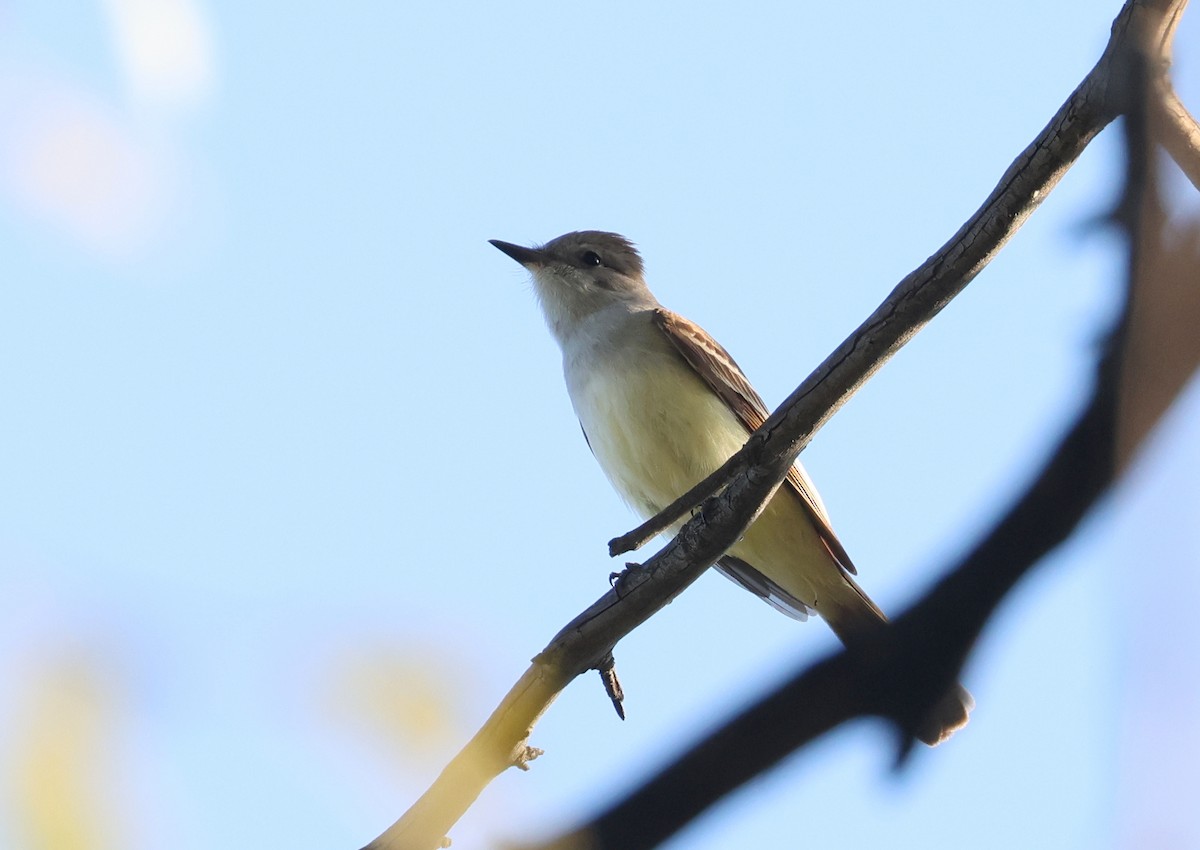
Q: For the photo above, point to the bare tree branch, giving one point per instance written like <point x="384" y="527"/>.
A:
<point x="1146" y="359"/>
<point x="1162" y="349"/>
<point x="1178" y="131"/>
<point x="1171" y="123"/>
<point x="754" y="473"/>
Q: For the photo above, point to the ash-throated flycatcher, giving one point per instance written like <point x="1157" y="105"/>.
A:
<point x="662" y="405"/>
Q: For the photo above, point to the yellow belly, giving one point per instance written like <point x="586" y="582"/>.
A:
<point x="657" y="429"/>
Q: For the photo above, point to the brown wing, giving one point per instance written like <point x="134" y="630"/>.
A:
<point x="714" y="365"/>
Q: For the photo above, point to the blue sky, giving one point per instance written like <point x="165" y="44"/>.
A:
<point x="293" y="491"/>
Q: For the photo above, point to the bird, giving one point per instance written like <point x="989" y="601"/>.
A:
<point x="662" y="405"/>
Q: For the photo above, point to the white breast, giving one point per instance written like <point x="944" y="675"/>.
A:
<point x="652" y="423"/>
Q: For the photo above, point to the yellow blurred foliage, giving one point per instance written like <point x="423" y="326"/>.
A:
<point x="398" y="699"/>
<point x="61" y="763"/>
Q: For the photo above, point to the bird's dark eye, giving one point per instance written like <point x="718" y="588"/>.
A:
<point x="590" y="258"/>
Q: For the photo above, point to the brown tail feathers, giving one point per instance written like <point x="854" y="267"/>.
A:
<point x="853" y="617"/>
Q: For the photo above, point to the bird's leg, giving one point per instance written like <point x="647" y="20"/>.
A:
<point x="618" y="580"/>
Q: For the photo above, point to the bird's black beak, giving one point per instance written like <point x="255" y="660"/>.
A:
<point x="525" y="256"/>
